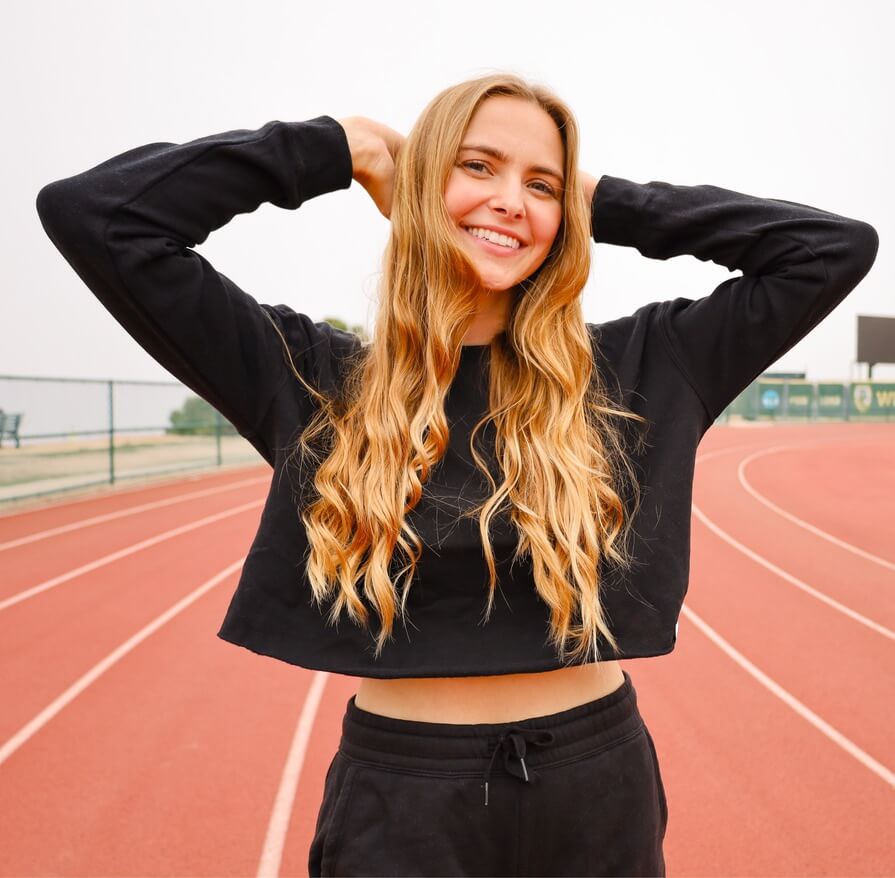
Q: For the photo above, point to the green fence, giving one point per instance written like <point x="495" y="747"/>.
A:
<point x="63" y="434"/>
<point x="775" y="399"/>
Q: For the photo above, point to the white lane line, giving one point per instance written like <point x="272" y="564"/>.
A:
<point x="122" y="513"/>
<point x="35" y="725"/>
<point x="717" y="452"/>
<point x="123" y="553"/>
<point x="758" y="559"/>
<point x="791" y="701"/>
<point x="741" y="475"/>
<point x="278" y="825"/>
<point x="129" y="490"/>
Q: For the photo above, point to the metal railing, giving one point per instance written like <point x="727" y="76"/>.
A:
<point x="77" y="433"/>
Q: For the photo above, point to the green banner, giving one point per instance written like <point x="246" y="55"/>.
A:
<point x="770" y="399"/>
<point x="832" y="400"/>
<point x="773" y="398"/>
<point x="871" y="399"/>
<point x="798" y="399"/>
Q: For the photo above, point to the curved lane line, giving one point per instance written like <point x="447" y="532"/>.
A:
<point x="758" y="559"/>
<point x="122" y="513"/>
<point x="741" y="475"/>
<point x="717" y="452"/>
<point x="791" y="701"/>
<point x="278" y="825"/>
<point x="35" y="725"/>
<point x="123" y="553"/>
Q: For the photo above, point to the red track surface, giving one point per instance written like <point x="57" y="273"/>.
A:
<point x="170" y="757"/>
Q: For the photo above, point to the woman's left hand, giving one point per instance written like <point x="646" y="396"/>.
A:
<point x="590" y="184"/>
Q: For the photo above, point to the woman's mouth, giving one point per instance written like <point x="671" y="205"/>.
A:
<point x="499" y="245"/>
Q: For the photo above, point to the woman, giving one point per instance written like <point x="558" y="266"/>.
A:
<point x="488" y="437"/>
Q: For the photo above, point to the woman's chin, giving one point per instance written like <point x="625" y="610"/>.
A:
<point x="496" y="281"/>
<point x="493" y="284"/>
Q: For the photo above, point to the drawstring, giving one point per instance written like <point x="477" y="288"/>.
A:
<point x="512" y="742"/>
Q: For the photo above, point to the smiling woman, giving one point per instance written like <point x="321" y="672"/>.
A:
<point x="503" y="195"/>
<point x="451" y="469"/>
<point x="489" y="248"/>
<point x="504" y="198"/>
<point x="489" y="252"/>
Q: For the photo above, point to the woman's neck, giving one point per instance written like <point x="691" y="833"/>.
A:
<point x="491" y="318"/>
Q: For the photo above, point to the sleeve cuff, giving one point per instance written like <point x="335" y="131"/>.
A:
<point x="616" y="210"/>
<point x="321" y="148"/>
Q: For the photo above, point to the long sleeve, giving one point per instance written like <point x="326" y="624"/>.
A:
<point x="798" y="263"/>
<point x="127" y="227"/>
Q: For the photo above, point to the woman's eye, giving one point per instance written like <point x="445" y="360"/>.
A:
<point x="547" y="189"/>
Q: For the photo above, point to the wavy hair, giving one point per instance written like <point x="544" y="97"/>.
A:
<point x="560" y="448"/>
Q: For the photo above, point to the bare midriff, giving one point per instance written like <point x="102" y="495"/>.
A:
<point x="492" y="699"/>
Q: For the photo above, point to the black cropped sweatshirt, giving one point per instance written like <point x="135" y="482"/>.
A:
<point x="128" y="226"/>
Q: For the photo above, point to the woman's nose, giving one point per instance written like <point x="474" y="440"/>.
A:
<point x="508" y="199"/>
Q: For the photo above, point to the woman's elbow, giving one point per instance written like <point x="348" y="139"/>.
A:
<point x="57" y="207"/>
<point x="866" y="245"/>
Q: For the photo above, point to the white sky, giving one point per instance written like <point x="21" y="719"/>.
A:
<point x="778" y="99"/>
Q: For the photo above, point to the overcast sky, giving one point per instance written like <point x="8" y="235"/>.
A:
<point x="786" y="99"/>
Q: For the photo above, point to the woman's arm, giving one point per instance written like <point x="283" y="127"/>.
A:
<point x="128" y="226"/>
<point x="374" y="148"/>
<point x="798" y="263"/>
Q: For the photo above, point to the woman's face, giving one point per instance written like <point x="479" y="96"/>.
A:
<point x="507" y="177"/>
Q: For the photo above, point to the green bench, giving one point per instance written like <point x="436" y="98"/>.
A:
<point x="9" y="427"/>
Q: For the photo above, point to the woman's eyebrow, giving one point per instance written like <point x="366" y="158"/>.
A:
<point x="503" y="157"/>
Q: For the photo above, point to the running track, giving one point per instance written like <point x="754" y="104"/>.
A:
<point x="135" y="742"/>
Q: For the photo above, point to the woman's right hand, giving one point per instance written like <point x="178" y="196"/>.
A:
<point x="374" y="148"/>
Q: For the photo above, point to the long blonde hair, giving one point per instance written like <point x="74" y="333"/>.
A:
<point x="561" y="455"/>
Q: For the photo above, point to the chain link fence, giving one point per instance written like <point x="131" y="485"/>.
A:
<point x="64" y="434"/>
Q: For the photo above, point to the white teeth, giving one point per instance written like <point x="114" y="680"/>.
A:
<point x="495" y="237"/>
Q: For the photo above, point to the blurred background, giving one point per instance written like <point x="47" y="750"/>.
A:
<point x="786" y="100"/>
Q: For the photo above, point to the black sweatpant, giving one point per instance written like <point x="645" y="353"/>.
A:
<point x="573" y="793"/>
